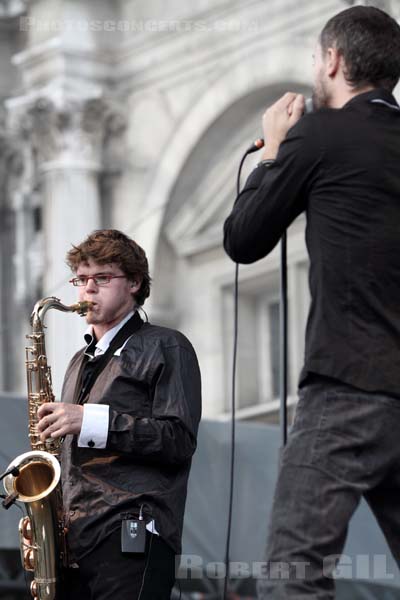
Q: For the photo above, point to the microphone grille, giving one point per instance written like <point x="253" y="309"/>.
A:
<point x="309" y="107"/>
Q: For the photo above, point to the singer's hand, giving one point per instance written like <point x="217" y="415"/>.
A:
<point x="278" y="119"/>
<point x="59" y="418"/>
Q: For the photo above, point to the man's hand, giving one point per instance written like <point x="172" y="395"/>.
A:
<point x="58" y="418"/>
<point x="278" y="119"/>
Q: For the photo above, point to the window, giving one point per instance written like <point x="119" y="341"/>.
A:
<point x="258" y="358"/>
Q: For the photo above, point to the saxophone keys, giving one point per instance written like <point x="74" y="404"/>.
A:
<point x="34" y="590"/>
<point x="26" y="529"/>
<point x="29" y="560"/>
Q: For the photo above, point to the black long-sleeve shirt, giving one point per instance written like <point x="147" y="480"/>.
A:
<point x="341" y="166"/>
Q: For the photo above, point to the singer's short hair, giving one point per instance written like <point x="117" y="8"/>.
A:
<point x="369" y="41"/>
<point x="105" y="246"/>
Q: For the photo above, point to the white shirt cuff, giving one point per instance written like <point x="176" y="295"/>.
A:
<point x="94" y="429"/>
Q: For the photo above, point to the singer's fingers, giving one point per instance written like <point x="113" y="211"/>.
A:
<point x="287" y="98"/>
<point x="282" y="104"/>
<point x="278" y="119"/>
<point x="297" y="107"/>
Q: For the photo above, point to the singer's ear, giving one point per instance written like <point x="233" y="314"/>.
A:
<point x="333" y="59"/>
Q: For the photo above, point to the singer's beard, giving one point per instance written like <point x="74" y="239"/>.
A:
<point x="320" y="95"/>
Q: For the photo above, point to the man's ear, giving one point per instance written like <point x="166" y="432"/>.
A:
<point x="334" y="60"/>
<point x="135" y="285"/>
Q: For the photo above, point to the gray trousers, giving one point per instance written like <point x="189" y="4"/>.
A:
<point x="344" y="444"/>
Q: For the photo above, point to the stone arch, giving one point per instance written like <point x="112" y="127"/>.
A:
<point x="190" y="285"/>
<point x="253" y="73"/>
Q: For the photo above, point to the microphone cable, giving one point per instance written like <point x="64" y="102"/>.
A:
<point x="253" y="148"/>
<point x="233" y="430"/>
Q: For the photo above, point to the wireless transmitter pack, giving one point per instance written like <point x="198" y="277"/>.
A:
<point x="133" y="535"/>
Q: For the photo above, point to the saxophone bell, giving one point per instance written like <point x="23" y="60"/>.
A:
<point x="34" y="477"/>
<point x="41" y="538"/>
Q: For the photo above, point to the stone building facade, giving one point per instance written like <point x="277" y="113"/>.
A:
<point x="135" y="115"/>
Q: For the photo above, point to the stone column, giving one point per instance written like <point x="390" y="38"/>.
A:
<point x="14" y="268"/>
<point x="5" y="271"/>
<point x="67" y="142"/>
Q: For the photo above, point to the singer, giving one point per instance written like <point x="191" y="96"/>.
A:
<point x="340" y="165"/>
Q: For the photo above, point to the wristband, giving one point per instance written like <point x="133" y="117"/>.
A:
<point x="266" y="163"/>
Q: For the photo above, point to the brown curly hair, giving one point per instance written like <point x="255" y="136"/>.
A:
<point x="105" y="246"/>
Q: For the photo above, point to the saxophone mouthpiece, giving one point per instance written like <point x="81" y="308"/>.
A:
<point x="82" y="308"/>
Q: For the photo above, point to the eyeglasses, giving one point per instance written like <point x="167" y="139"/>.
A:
<point x="98" y="279"/>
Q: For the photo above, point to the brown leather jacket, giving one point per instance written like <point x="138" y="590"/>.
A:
<point x="154" y="392"/>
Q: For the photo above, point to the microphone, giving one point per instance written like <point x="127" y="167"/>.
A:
<point x="259" y="143"/>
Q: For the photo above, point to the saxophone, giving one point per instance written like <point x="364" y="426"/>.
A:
<point x="34" y="477"/>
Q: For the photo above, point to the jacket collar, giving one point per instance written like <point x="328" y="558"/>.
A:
<point x="375" y="95"/>
<point x="94" y="348"/>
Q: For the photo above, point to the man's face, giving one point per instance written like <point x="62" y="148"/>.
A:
<point x="111" y="301"/>
<point x="321" y="95"/>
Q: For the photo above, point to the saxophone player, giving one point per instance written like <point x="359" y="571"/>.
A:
<point x="129" y="412"/>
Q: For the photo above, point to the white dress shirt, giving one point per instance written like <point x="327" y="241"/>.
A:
<point x="94" y="429"/>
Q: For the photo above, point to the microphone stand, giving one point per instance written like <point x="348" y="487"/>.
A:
<point x="283" y="307"/>
<point x="283" y="342"/>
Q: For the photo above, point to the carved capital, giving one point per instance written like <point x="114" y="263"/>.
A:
<point x="76" y="134"/>
<point x="12" y="165"/>
<point x="70" y="135"/>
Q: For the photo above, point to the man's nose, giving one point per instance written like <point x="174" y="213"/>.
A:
<point x="90" y="286"/>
